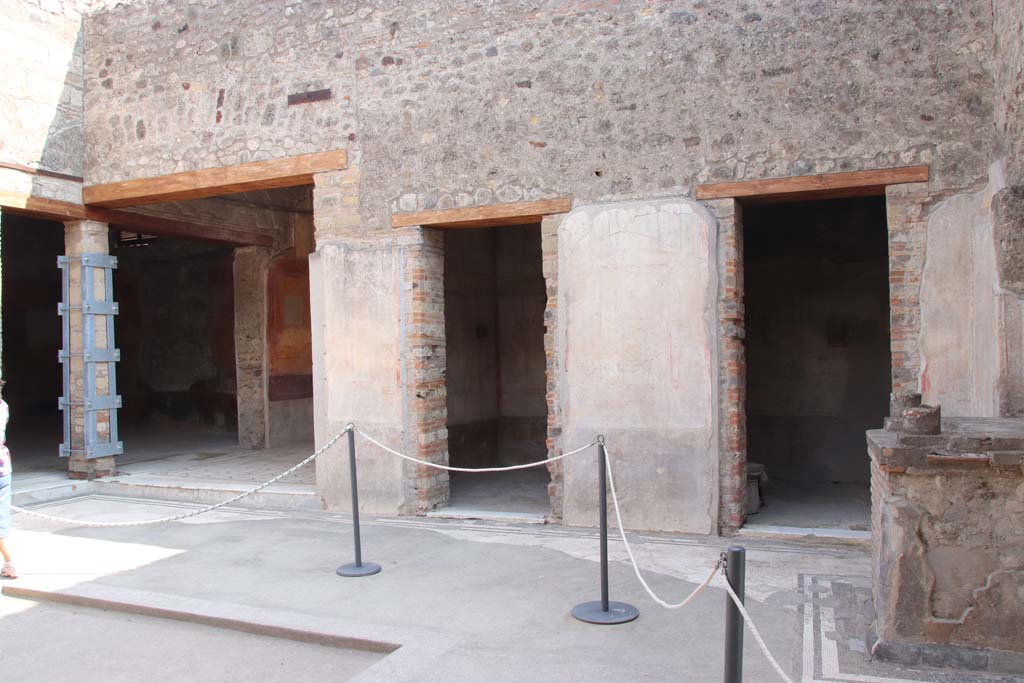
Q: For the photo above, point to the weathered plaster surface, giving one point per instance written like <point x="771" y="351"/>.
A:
<point x="971" y="336"/>
<point x="356" y="368"/>
<point x="637" y="314"/>
<point x="41" y="89"/>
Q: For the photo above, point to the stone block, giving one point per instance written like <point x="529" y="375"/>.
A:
<point x="922" y="420"/>
<point x="1008" y="227"/>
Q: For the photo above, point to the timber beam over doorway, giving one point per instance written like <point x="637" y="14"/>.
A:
<point x="212" y="182"/>
<point x="54" y="210"/>
<point x="494" y="215"/>
<point x="820" y="186"/>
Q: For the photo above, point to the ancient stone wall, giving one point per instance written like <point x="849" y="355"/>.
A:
<point x="508" y="101"/>
<point x="1008" y="69"/>
<point x="41" y="97"/>
<point x="505" y="101"/>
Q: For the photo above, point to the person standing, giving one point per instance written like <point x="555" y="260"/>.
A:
<point x="8" y="571"/>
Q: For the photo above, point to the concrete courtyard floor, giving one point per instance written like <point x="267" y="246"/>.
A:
<point x="252" y="595"/>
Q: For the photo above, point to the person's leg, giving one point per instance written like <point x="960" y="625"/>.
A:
<point x="5" y="522"/>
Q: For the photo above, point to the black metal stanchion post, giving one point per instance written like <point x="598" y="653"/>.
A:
<point x="735" y="574"/>
<point x="604" y="611"/>
<point x="357" y="568"/>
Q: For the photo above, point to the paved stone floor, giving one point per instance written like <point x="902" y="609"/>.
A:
<point x="824" y="505"/>
<point x="178" y="451"/>
<point x="463" y="601"/>
<point x="520" y="494"/>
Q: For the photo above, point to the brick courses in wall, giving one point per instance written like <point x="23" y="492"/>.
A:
<point x="907" y="218"/>
<point x="424" y="357"/>
<point x="549" y="255"/>
<point x="732" y="377"/>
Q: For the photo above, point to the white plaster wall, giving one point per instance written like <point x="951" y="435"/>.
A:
<point x="356" y="369"/>
<point x="964" y="335"/>
<point x="637" y="344"/>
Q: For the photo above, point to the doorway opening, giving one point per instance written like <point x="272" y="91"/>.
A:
<point x="176" y="334"/>
<point x="32" y="341"/>
<point x="494" y="301"/>
<point x="818" y="363"/>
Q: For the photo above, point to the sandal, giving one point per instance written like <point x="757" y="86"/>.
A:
<point x="8" y="572"/>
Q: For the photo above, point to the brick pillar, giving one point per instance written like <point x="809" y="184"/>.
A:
<point x="906" y="213"/>
<point x="86" y="237"/>
<point x="732" y="370"/>
<point x="549" y="255"/>
<point x="250" y="279"/>
<point x="425" y="360"/>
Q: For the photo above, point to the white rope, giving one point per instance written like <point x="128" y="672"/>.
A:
<point x="698" y="589"/>
<point x="191" y="513"/>
<point x="435" y="465"/>
<point x="632" y="559"/>
<point x="754" y="631"/>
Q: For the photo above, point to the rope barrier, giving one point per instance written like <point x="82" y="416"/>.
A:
<point x="191" y="513"/>
<point x="632" y="558"/>
<point x="753" y="629"/>
<point x="350" y="427"/>
<point x="668" y="605"/>
<point x="448" y="468"/>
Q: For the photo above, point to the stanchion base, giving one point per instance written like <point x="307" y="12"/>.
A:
<point x="366" y="569"/>
<point x="618" y="612"/>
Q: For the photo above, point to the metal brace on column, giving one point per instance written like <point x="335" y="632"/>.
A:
<point x="92" y="265"/>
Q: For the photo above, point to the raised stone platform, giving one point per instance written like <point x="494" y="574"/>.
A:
<point x="947" y="534"/>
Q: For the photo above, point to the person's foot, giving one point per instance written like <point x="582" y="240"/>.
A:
<point x="8" y="572"/>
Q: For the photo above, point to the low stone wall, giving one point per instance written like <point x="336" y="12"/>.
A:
<point x="948" y="542"/>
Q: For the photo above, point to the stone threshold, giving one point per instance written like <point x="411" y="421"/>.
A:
<point x="806" y="534"/>
<point x="459" y="512"/>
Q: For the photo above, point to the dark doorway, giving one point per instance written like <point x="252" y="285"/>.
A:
<point x="816" y="295"/>
<point x="495" y="298"/>
<point x="32" y="339"/>
<point x="175" y="331"/>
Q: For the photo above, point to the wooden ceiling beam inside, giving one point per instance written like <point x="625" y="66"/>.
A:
<point x="212" y="182"/>
<point x="54" y="210"/>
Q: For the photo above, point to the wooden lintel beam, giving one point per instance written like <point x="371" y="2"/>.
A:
<point x="484" y="216"/>
<point x="820" y="186"/>
<point x="40" y="207"/>
<point x="54" y="210"/>
<point x="211" y="182"/>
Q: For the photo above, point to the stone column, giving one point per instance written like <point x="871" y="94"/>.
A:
<point x="86" y="237"/>
<point x="250" y="279"/>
